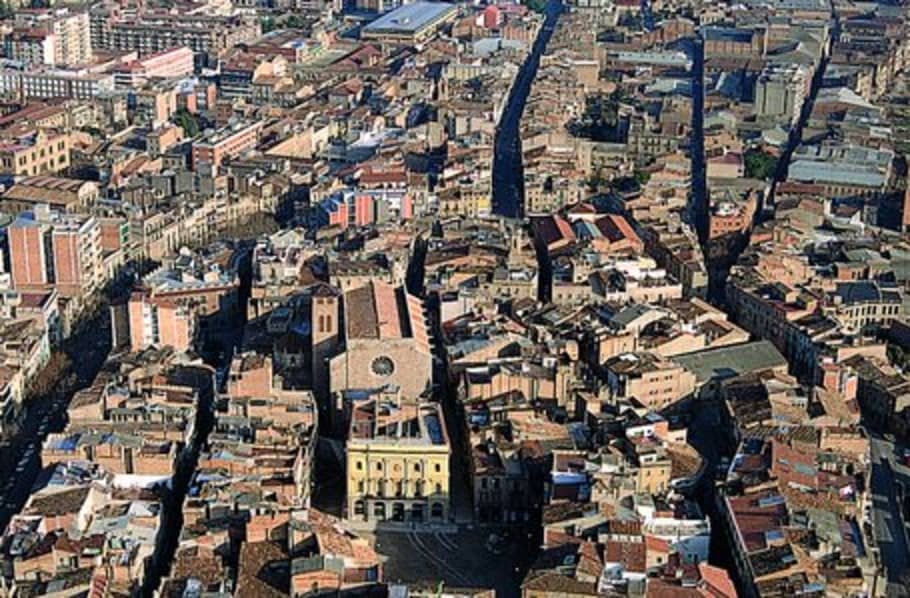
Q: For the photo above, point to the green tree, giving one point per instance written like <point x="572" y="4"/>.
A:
<point x="187" y="122"/>
<point x="296" y="22"/>
<point x="759" y="165"/>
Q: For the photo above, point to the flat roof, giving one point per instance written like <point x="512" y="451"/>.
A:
<point x="410" y="18"/>
<point x="734" y="360"/>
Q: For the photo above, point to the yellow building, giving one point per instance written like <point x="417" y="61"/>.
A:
<point x="41" y="152"/>
<point x="397" y="461"/>
<point x="466" y="200"/>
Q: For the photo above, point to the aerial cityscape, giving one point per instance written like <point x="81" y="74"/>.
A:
<point x="427" y="299"/>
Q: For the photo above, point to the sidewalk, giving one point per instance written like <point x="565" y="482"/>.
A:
<point x="402" y="527"/>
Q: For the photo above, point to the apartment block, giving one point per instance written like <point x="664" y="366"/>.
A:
<point x="30" y="46"/>
<point x="36" y="153"/>
<point x="151" y="33"/>
<point x="176" y="62"/>
<point x="53" y="250"/>
<point x="155" y="321"/>
<point x="66" y="32"/>
<point x="781" y="90"/>
<point x="173" y="305"/>
<point x="69" y="84"/>
<point x="651" y="380"/>
<point x="227" y="142"/>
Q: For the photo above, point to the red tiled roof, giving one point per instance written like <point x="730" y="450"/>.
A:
<point x="716" y="582"/>
<point x="632" y="555"/>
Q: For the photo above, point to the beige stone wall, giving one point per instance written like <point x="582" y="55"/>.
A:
<point x="352" y="368"/>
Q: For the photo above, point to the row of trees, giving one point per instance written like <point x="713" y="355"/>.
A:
<point x="290" y="22"/>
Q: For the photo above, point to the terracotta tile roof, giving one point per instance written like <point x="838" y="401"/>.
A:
<point x="616" y="228"/>
<point x="551" y="581"/>
<point x="380" y="311"/>
<point x="716" y="582"/>
<point x="658" y="588"/>
<point x="589" y="561"/>
<point x="198" y="562"/>
<point x="256" y="578"/>
<point x="554" y="229"/>
<point x="655" y="544"/>
<point x="630" y="554"/>
<point x="58" y="503"/>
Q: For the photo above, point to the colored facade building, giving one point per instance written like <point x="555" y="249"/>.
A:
<point x="38" y="153"/>
<point x="156" y="321"/>
<point x="492" y="17"/>
<point x="175" y="303"/>
<point x="53" y="250"/>
<point x="228" y="142"/>
<point x="397" y="462"/>
<point x="351" y="207"/>
<point x="174" y="63"/>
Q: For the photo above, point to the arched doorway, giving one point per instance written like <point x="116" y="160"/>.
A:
<point x="379" y="511"/>
<point x="437" y="510"/>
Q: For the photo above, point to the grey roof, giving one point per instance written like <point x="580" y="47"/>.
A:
<point x="839" y="173"/>
<point x="410" y="18"/>
<point x="865" y="292"/>
<point x="743" y="36"/>
<point x="629" y="314"/>
<point x="735" y="360"/>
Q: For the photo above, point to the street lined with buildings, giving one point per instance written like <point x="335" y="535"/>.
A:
<point x="584" y="298"/>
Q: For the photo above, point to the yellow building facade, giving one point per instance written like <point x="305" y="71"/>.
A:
<point x="397" y="463"/>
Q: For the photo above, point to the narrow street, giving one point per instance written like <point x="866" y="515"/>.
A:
<point x="698" y="204"/>
<point x="707" y="437"/>
<point x="168" y="538"/>
<point x="21" y="460"/>
<point x="719" y="267"/>
<point x="889" y="487"/>
<point x="508" y="184"/>
<point x="228" y="342"/>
